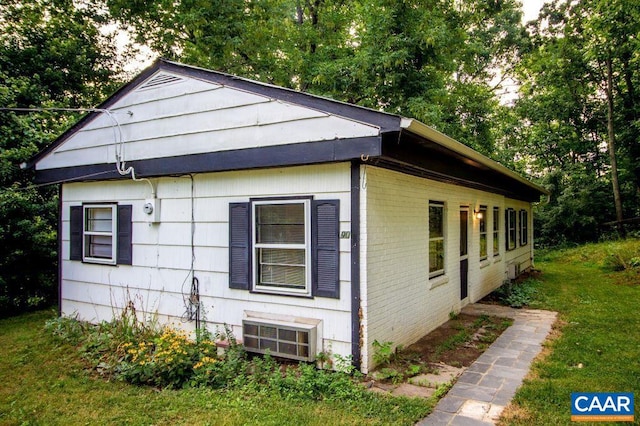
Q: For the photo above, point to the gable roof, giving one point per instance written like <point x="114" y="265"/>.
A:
<point x="241" y="124"/>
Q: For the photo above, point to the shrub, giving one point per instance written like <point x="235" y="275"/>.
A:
<point x="517" y="295"/>
<point x="141" y="354"/>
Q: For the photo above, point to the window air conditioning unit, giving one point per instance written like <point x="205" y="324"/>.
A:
<point x="286" y="340"/>
<point x="513" y="271"/>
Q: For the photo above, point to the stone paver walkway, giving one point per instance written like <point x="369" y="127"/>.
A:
<point x="489" y="384"/>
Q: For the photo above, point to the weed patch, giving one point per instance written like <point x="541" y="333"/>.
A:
<point x="458" y="343"/>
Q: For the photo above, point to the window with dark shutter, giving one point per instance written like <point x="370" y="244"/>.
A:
<point x="510" y="229"/>
<point x="93" y="229"/>
<point x="239" y="246"/>
<point x="288" y="246"/>
<point x="326" y="248"/>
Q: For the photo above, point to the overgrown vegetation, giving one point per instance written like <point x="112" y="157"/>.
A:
<point x="166" y="358"/>
<point x="46" y="381"/>
<point x="596" y="343"/>
<point x="516" y="294"/>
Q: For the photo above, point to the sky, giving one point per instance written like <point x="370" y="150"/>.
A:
<point x="531" y="9"/>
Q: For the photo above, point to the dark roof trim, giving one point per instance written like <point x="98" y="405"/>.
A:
<point x="271" y="156"/>
<point x="372" y="117"/>
<point x="383" y="120"/>
<point x="466" y="152"/>
<point x="119" y="94"/>
<point x="412" y="154"/>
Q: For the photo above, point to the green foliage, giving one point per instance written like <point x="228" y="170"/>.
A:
<point x="562" y="133"/>
<point x="45" y="382"/>
<point x="517" y="294"/>
<point x="622" y="255"/>
<point x="52" y="54"/>
<point x="382" y="353"/>
<point x="141" y="354"/>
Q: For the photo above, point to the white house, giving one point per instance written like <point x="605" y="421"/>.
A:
<point x="303" y="223"/>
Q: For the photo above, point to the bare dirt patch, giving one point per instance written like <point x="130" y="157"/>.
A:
<point x="458" y="343"/>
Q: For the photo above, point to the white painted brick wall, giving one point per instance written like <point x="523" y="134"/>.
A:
<point x="399" y="301"/>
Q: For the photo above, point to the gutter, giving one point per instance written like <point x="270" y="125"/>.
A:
<point x="445" y="141"/>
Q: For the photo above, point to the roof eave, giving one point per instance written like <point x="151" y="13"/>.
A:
<point x="421" y="129"/>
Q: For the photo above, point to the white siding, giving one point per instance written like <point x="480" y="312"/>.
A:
<point x="400" y="303"/>
<point x="159" y="279"/>
<point x="191" y="117"/>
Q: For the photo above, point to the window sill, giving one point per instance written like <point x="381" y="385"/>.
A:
<point x="484" y="263"/>
<point x="438" y="281"/>
<point x="270" y="292"/>
<point x="497" y="259"/>
<point x="91" y="261"/>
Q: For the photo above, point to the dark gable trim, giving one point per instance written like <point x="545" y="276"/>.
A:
<point x="407" y="153"/>
<point x="271" y="156"/>
<point x="380" y="119"/>
<point x="356" y="350"/>
<point x="384" y="121"/>
<point x="86" y="119"/>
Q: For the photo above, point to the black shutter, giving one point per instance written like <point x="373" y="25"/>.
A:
<point x="239" y="246"/>
<point x="75" y="234"/>
<point x="124" y="250"/>
<point x="325" y="246"/>
<point x="506" y="229"/>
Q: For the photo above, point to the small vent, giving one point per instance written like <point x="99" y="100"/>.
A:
<point x="160" y="80"/>
<point x="293" y="341"/>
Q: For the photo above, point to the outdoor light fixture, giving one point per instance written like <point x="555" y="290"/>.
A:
<point x="478" y="214"/>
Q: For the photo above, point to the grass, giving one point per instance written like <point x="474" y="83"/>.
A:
<point x="47" y="383"/>
<point x="596" y="291"/>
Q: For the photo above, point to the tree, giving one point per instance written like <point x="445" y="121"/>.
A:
<point x="577" y="99"/>
<point x="433" y="60"/>
<point x="52" y="54"/>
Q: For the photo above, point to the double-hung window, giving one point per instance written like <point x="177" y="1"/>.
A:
<point x="436" y="239"/>
<point x="101" y="233"/>
<point x="524" y="228"/>
<point x="285" y="246"/>
<point x="496" y="231"/>
<point x="482" y="219"/>
<point x="99" y="242"/>
<point x="510" y="225"/>
<point x="281" y="242"/>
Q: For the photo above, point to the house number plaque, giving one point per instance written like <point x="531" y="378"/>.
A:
<point x="345" y="235"/>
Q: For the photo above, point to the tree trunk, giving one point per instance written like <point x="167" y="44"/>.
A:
<point x="612" y="145"/>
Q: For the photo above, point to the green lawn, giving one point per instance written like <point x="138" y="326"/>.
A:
<point x="598" y="348"/>
<point x="46" y="383"/>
